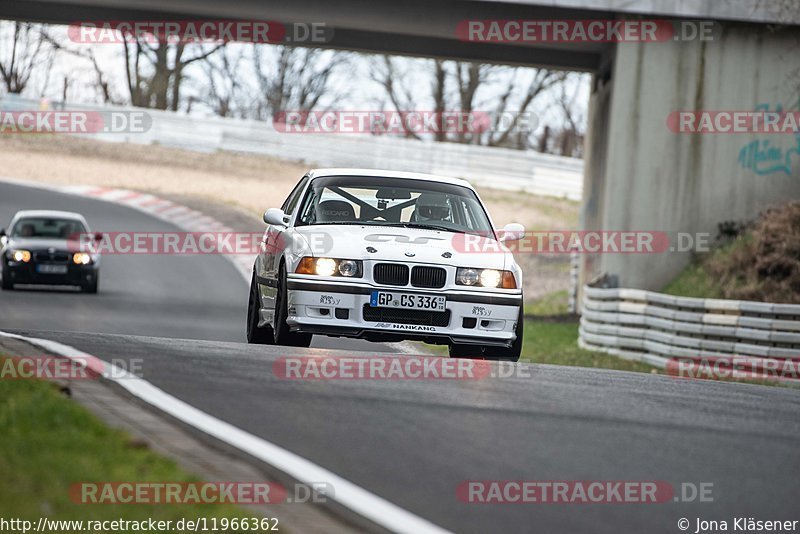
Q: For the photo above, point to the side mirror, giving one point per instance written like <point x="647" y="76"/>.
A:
<point x="512" y="232"/>
<point x="276" y="216"/>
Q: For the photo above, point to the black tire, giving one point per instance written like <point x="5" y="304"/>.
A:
<point x="510" y="354"/>
<point x="91" y="287"/>
<point x="7" y="284"/>
<point x="283" y="336"/>
<point x="261" y="335"/>
<point x="466" y="351"/>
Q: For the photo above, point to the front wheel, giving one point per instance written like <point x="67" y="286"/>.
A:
<point x="7" y="283"/>
<point x="91" y="287"/>
<point x="283" y="335"/>
<point x="261" y="335"/>
<point x="509" y="354"/>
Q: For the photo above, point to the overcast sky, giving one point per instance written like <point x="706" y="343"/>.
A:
<point x="354" y="81"/>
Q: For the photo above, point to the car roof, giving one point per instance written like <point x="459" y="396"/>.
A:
<point x="344" y="171"/>
<point x="55" y="214"/>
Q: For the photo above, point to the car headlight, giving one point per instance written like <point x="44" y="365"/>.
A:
<point x="325" y="267"/>
<point x="348" y="268"/>
<point x="81" y="258"/>
<point x="330" y="267"/>
<point x="490" y="278"/>
<point x="468" y="276"/>
<point x="20" y="255"/>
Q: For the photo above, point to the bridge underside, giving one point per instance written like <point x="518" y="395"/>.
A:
<point x="411" y="27"/>
<point x="638" y="174"/>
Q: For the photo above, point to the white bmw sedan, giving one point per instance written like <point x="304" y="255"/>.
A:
<point x="387" y="256"/>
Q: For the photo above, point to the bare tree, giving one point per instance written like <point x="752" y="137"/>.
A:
<point x="500" y="135"/>
<point x="456" y="86"/>
<point x="439" y="95"/>
<point x="566" y="131"/>
<point x="295" y="79"/>
<point x="102" y="82"/>
<point x="155" y="71"/>
<point x="222" y="88"/>
<point x="572" y="134"/>
<point x="23" y="47"/>
<point x="389" y="74"/>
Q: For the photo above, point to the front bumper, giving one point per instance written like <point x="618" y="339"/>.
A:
<point x="25" y="273"/>
<point x="342" y="309"/>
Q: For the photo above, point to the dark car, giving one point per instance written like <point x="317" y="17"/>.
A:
<point x="49" y="247"/>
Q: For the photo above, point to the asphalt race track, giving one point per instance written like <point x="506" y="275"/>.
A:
<point x="414" y="442"/>
<point x="192" y="297"/>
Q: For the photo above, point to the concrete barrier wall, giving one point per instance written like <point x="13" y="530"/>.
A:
<point x="655" y="328"/>
<point x="649" y="178"/>
<point x="498" y="168"/>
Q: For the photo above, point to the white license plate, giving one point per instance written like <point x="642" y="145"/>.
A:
<point x="51" y="269"/>
<point x="388" y="299"/>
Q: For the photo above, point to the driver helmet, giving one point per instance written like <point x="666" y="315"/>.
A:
<point x="432" y="207"/>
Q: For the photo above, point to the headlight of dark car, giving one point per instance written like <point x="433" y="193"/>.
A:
<point x="20" y="255"/>
<point x="82" y="258"/>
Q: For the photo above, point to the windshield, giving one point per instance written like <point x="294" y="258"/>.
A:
<point x="47" y="227"/>
<point x="377" y="201"/>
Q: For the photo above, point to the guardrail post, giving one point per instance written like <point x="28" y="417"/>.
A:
<point x="574" y="269"/>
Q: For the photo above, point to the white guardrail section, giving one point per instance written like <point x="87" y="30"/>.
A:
<point x="655" y="328"/>
<point x="499" y="168"/>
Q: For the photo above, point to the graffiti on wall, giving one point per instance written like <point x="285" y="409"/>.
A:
<point x="770" y="154"/>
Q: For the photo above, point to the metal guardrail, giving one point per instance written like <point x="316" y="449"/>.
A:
<point x="499" y="168"/>
<point x="655" y="328"/>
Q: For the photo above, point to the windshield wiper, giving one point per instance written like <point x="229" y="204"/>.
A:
<point x="425" y="226"/>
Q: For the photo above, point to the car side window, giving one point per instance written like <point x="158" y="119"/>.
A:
<point x="291" y="201"/>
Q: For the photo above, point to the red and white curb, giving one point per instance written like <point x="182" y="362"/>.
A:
<point x="185" y="218"/>
<point x="357" y="499"/>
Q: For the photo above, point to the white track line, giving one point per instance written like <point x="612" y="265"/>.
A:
<point x="183" y="217"/>
<point x="155" y="207"/>
<point x="362" y="502"/>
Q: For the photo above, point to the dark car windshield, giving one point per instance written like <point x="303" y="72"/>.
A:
<point x="47" y="227"/>
<point x="378" y="201"/>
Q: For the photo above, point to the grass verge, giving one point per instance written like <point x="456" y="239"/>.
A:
<point x="699" y="280"/>
<point x="49" y="443"/>
<point x="756" y="260"/>
<point x="554" y="339"/>
<point x="554" y="303"/>
<point x="557" y="343"/>
<point x="551" y="337"/>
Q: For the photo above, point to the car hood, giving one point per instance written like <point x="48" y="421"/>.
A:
<point x="37" y="243"/>
<point x="405" y="245"/>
